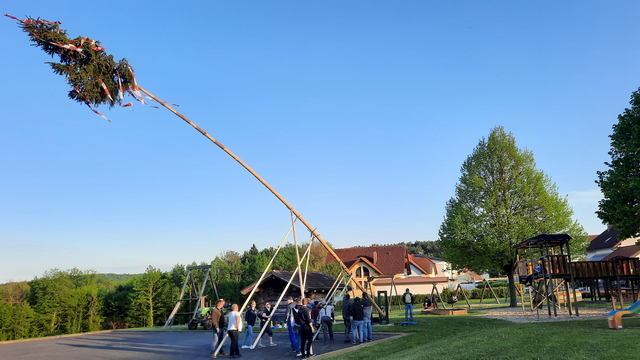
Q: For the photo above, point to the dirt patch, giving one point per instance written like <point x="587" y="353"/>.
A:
<point x="527" y="315"/>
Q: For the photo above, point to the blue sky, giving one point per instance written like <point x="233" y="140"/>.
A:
<point x="360" y="113"/>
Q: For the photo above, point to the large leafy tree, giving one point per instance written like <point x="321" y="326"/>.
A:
<point x="620" y="184"/>
<point x="148" y="288"/>
<point x="501" y="199"/>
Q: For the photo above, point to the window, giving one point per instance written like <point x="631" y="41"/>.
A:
<point x="362" y="271"/>
<point x="365" y="272"/>
<point x="365" y="285"/>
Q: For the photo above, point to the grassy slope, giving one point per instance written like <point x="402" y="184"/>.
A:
<point x="470" y="337"/>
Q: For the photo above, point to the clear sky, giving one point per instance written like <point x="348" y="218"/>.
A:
<point x="360" y="113"/>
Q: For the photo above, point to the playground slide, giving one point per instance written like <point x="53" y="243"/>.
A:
<point x="615" y="316"/>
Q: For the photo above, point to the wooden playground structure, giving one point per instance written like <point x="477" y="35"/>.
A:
<point x="546" y="272"/>
<point x="545" y="268"/>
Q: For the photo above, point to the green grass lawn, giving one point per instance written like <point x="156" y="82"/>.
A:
<point x="474" y="337"/>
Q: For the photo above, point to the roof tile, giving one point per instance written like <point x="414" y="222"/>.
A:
<point x="390" y="259"/>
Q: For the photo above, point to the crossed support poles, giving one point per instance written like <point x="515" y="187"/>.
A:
<point x="297" y="272"/>
<point x="295" y="215"/>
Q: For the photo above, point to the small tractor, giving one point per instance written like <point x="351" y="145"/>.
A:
<point x="202" y="316"/>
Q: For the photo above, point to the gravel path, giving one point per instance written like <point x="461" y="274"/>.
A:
<point x="518" y="315"/>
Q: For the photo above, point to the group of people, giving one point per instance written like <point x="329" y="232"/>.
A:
<point x="357" y="319"/>
<point x="234" y="327"/>
<point x="303" y="317"/>
<point x="301" y="322"/>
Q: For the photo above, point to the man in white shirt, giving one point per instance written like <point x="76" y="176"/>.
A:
<point x="326" y="319"/>
<point x="233" y="330"/>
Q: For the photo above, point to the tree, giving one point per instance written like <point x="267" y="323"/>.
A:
<point x="500" y="200"/>
<point x="16" y="321"/>
<point x="620" y="184"/>
<point x="14" y="292"/>
<point x="147" y="291"/>
<point x="50" y="296"/>
<point x="116" y="306"/>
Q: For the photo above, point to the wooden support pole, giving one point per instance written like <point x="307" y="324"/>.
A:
<point x="262" y="181"/>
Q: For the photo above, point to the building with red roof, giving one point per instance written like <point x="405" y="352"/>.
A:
<point x="381" y="267"/>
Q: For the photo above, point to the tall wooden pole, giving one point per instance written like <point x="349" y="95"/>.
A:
<point x="273" y="191"/>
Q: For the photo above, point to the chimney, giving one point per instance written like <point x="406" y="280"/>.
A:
<point x="375" y="257"/>
<point x="609" y="227"/>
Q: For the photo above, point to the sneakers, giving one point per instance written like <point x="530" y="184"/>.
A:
<point x="260" y="345"/>
<point x="299" y="354"/>
<point x="245" y="346"/>
<point x="252" y="347"/>
<point x="273" y="344"/>
<point x="222" y="353"/>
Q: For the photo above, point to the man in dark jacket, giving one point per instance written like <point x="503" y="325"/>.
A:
<point x="250" y="317"/>
<point x="346" y="316"/>
<point x="408" y="299"/>
<point x="303" y="319"/>
<point x="295" y="344"/>
<point x="357" y="311"/>
<point x="217" y="320"/>
<point x="367" y="305"/>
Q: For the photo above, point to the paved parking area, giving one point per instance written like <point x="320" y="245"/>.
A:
<point x="123" y="344"/>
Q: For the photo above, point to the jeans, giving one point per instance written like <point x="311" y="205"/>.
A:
<point x="218" y="336"/>
<point x="295" y="344"/>
<point x="233" y="335"/>
<point x="327" y="323"/>
<point x="408" y="309"/>
<point x="296" y="332"/>
<point x="368" y="332"/>
<point x="248" y="336"/>
<point x="357" y="327"/>
<point x="347" y="329"/>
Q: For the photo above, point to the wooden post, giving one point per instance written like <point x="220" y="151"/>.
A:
<point x="273" y="191"/>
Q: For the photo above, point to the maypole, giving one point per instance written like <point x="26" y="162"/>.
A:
<point x="94" y="76"/>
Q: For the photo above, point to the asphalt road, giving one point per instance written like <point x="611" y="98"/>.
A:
<point x="192" y="345"/>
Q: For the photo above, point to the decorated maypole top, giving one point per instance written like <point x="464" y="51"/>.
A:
<point x="92" y="73"/>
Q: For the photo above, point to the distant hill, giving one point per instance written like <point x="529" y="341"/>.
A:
<point x="118" y="278"/>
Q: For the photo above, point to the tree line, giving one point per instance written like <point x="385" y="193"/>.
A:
<point x="73" y="301"/>
<point x="501" y="198"/>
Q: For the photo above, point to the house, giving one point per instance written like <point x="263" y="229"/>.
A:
<point x="368" y="263"/>
<point x="422" y="266"/>
<point x="624" y="252"/>
<point x="606" y="243"/>
<point x="443" y="268"/>
<point x="379" y="268"/>
<point x="317" y="286"/>
<point x="467" y="276"/>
